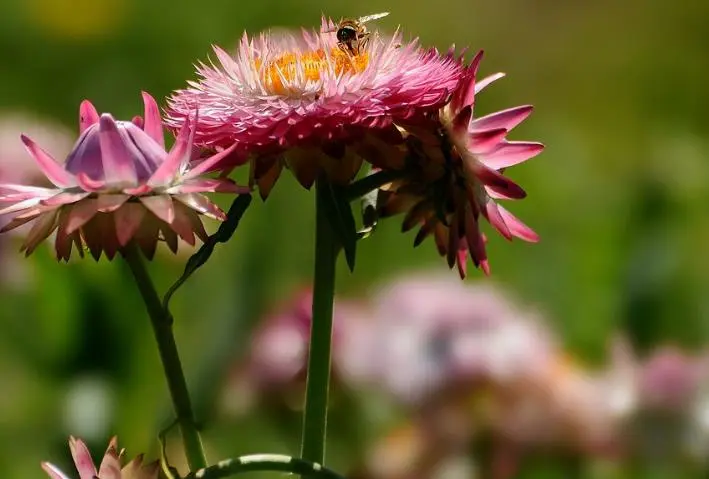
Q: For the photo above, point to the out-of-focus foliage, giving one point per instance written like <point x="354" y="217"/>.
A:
<point x="619" y="198"/>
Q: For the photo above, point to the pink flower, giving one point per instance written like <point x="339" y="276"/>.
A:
<point x="118" y="185"/>
<point x="110" y="467"/>
<point x="302" y="94"/>
<point x="460" y="160"/>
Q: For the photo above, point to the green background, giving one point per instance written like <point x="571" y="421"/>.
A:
<point x="618" y="198"/>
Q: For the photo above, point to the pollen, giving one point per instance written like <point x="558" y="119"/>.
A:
<point x="290" y="72"/>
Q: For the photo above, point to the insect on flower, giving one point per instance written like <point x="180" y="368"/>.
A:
<point x="352" y="34"/>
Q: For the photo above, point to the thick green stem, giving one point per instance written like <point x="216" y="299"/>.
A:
<point x="318" y="381"/>
<point x="161" y="320"/>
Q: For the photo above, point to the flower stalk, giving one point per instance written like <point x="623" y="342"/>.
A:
<point x="161" y="321"/>
<point x="318" y="379"/>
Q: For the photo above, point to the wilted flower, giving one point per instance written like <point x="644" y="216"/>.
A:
<point x="118" y="185"/>
<point x="300" y="94"/>
<point x="458" y="161"/>
<point x="110" y="467"/>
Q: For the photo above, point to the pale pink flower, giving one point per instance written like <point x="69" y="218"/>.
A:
<point x="110" y="467"/>
<point x="117" y="185"/>
<point x="461" y="159"/>
<point x="300" y="93"/>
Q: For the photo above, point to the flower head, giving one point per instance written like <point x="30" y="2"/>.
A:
<point x="110" y="467"/>
<point x="117" y="185"/>
<point x="303" y="94"/>
<point x="457" y="162"/>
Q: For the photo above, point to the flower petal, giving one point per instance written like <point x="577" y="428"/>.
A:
<point x="210" y="163"/>
<point x="82" y="458"/>
<point x="89" y="184"/>
<point x="64" y="198"/>
<point x="108" y="203"/>
<point x="43" y="227"/>
<point x="511" y="153"/>
<point x="80" y="214"/>
<point x="492" y="213"/>
<point x="485" y="82"/>
<point x="53" y="471"/>
<point x="179" y="153"/>
<point x="87" y="115"/>
<point x="498" y="183"/>
<point x="201" y="204"/>
<point x="110" y="467"/>
<point x="128" y="219"/>
<point x="22" y="205"/>
<point x="153" y="122"/>
<point x="117" y="159"/>
<point x="517" y="228"/>
<point x="208" y="185"/>
<point x="506" y="119"/>
<point x="51" y="169"/>
<point x="480" y="143"/>
<point x="161" y="206"/>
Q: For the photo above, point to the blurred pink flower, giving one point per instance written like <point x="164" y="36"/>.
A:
<point x="302" y="94"/>
<point x="110" y="467"/>
<point x="117" y="185"/>
<point x="461" y="160"/>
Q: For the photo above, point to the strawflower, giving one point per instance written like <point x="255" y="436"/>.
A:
<point x="110" y="467"/>
<point x="457" y="161"/>
<point x="117" y="185"/>
<point x="302" y="95"/>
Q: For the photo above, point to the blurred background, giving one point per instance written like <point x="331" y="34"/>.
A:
<point x="598" y="368"/>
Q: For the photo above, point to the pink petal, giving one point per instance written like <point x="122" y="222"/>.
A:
<point x="183" y="224"/>
<point x="462" y="262"/>
<point x="462" y="119"/>
<point x="208" y="185"/>
<point x="517" y="228"/>
<point x="43" y="227"/>
<point x="193" y="218"/>
<point x="22" y="205"/>
<point x="179" y="153"/>
<point x="484" y="141"/>
<point x="138" y="191"/>
<point x="506" y="119"/>
<point x="51" y="169"/>
<point x="128" y="219"/>
<point x="492" y="213"/>
<point x="82" y="458"/>
<point x="201" y="204"/>
<point x="209" y="163"/>
<point x="153" y="121"/>
<point x="80" y="214"/>
<point x="465" y="96"/>
<point x="108" y="203"/>
<point x="88" y="184"/>
<point x="118" y="163"/>
<point x="53" y="471"/>
<point x="35" y="190"/>
<point x="170" y="237"/>
<point x="498" y="183"/>
<point x="64" y="198"/>
<point x="20" y="220"/>
<point x="161" y="206"/>
<point x="87" y="115"/>
<point x="485" y="82"/>
<point x="110" y="467"/>
<point x="511" y="153"/>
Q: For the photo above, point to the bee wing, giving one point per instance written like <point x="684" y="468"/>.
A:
<point x="369" y="18"/>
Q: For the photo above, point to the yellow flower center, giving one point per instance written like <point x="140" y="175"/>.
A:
<point x="287" y="74"/>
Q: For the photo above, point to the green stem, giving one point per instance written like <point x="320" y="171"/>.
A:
<point x="318" y="380"/>
<point x="161" y="321"/>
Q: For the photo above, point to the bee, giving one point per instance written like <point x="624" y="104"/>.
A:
<point x="352" y="35"/>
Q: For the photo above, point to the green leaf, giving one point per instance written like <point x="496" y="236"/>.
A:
<point x="224" y="233"/>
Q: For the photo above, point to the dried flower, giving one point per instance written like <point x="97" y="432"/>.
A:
<point x="301" y="95"/>
<point x="118" y="185"/>
<point x="457" y="162"/>
<point x="110" y="467"/>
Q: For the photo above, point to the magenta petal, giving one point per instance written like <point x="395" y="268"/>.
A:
<point x="179" y="153"/>
<point x="89" y="184"/>
<point x="118" y="163"/>
<point x="485" y="82"/>
<point x="87" y="115"/>
<point x="485" y="141"/>
<point x="153" y="121"/>
<point x="161" y="206"/>
<point x="498" y="183"/>
<point x="493" y="215"/>
<point x="64" y="198"/>
<point x="462" y="119"/>
<point x="53" y="471"/>
<point x="517" y="228"/>
<point x="511" y="153"/>
<point x="210" y="162"/>
<point x="202" y="205"/>
<point x="108" y="203"/>
<point x="506" y="119"/>
<point x="51" y="169"/>
<point x="128" y="219"/>
<point x="80" y="214"/>
<point x="82" y="459"/>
